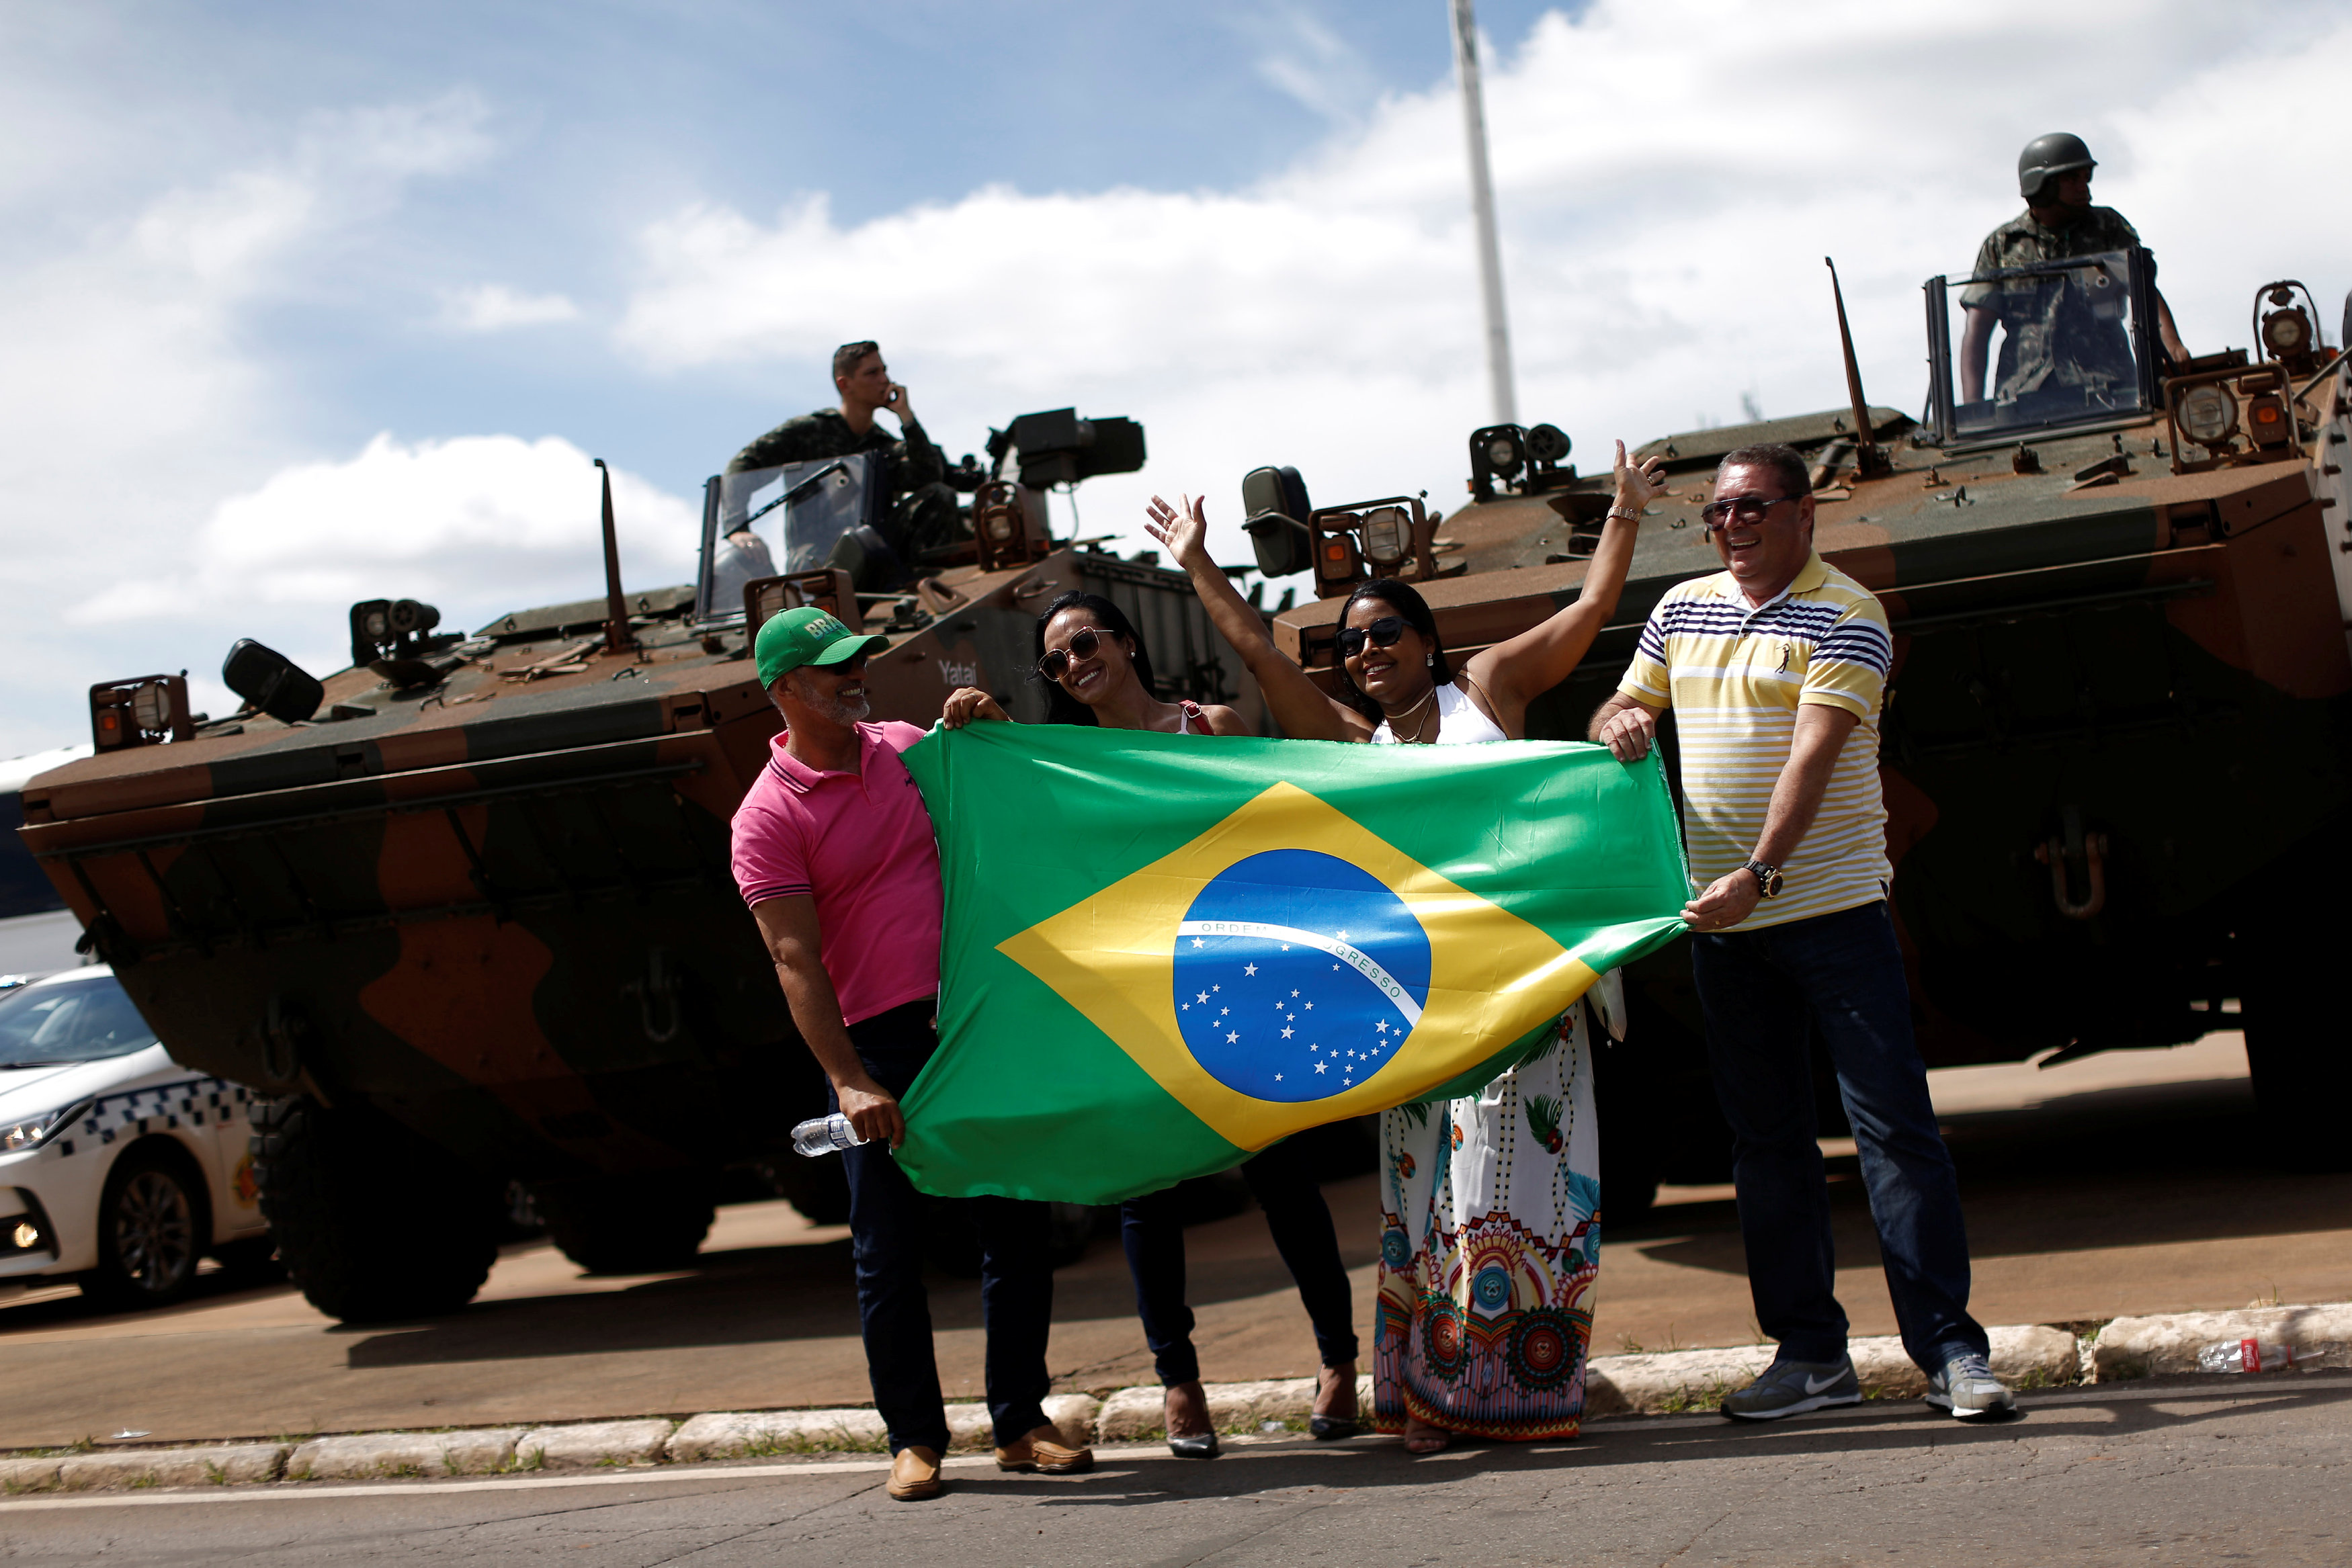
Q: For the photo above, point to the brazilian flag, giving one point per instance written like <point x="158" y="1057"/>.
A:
<point x="1165" y="953"/>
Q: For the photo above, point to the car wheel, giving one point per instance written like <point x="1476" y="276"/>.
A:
<point x="149" y="1220"/>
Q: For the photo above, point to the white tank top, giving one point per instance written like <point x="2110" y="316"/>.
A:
<point x="1459" y="721"/>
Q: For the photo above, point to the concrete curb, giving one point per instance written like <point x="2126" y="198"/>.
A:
<point x="2309" y="1338"/>
<point x="2027" y="1357"/>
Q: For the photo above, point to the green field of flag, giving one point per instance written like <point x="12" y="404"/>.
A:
<point x="1165" y="953"/>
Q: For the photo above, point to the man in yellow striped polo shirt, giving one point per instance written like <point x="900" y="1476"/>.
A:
<point x="1776" y="668"/>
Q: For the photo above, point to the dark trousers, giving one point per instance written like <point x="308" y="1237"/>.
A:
<point x="1844" y="973"/>
<point x="888" y="1221"/>
<point x="1152" y="1228"/>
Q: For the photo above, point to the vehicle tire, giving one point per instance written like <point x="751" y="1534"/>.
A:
<point x="374" y="1222"/>
<point x="2298" y="1055"/>
<point x="250" y="1261"/>
<point x="152" y="1221"/>
<point x="629" y="1225"/>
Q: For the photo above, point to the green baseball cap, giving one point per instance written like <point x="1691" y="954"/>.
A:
<point x="808" y="636"/>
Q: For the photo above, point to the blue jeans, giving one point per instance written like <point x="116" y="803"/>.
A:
<point x="888" y="1221"/>
<point x="1844" y="973"/>
<point x="1153" y="1234"/>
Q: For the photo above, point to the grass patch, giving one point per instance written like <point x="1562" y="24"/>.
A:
<point x="1687" y="1401"/>
<point x="215" y="1475"/>
<point x="800" y="1444"/>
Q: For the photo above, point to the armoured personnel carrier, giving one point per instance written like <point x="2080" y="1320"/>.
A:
<point x="464" y="908"/>
<point x="2116" y="747"/>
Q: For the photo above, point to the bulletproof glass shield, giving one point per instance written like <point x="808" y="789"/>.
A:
<point x="766" y="521"/>
<point x="2066" y="345"/>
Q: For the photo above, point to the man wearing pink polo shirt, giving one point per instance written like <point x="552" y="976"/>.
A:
<point x="834" y="854"/>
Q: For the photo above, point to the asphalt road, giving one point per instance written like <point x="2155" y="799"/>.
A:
<point x="2199" y="1472"/>
<point x="2134" y="1182"/>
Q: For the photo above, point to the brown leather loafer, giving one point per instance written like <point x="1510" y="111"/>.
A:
<point x="1041" y="1451"/>
<point x="914" y="1475"/>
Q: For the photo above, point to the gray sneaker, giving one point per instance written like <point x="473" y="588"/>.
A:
<point x="1967" y="1387"/>
<point x="1793" y="1387"/>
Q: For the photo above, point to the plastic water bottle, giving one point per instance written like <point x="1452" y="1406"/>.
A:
<point x="824" y="1135"/>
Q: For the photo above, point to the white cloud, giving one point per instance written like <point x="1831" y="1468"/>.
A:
<point x="478" y="526"/>
<point x="1669" y="177"/>
<point x="1304" y="59"/>
<point x="494" y="308"/>
<point x="133" y="398"/>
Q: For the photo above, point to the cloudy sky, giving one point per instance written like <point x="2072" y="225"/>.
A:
<point x="305" y="304"/>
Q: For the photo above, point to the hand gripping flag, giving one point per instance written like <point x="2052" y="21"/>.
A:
<point x="1165" y="953"/>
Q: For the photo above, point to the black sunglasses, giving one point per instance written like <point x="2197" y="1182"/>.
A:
<point x="1746" y="508"/>
<point x="1083" y="644"/>
<point x="1383" y="633"/>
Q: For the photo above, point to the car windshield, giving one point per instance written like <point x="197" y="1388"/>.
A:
<point x="86" y="1018"/>
<point x="2046" y="347"/>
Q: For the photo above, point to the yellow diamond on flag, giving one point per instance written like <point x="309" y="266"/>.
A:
<point x="1289" y="968"/>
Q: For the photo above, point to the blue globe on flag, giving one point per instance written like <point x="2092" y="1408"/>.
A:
<point x="1297" y="975"/>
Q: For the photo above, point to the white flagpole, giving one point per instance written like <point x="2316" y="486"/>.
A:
<point x="1482" y="212"/>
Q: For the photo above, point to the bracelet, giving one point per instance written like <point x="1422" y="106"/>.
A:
<point x="1629" y="514"/>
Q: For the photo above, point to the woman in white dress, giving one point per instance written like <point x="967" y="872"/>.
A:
<point x="1490" y="1238"/>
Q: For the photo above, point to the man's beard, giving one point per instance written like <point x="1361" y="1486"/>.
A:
<point x="834" y="709"/>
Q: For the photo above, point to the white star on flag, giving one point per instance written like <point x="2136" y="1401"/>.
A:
<point x="1321" y="1065"/>
<point x="1249" y="968"/>
<point x="1231" y="1037"/>
<point x="1287" y="1033"/>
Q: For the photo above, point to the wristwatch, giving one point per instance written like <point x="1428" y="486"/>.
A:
<point x="1768" y="878"/>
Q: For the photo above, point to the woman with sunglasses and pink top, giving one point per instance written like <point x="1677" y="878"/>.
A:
<point x="1490" y="1240"/>
<point x="1095" y="671"/>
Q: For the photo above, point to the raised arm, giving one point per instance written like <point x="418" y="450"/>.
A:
<point x="1513" y="674"/>
<point x="1298" y="704"/>
<point x="1976" y="344"/>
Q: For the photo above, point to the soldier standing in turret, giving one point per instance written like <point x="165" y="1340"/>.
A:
<point x="920" y="510"/>
<point x="2042" y="343"/>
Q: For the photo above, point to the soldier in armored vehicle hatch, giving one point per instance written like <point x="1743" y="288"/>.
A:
<point x="920" y="512"/>
<point x="2050" y="339"/>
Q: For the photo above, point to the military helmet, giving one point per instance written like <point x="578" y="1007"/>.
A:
<point x="2059" y="152"/>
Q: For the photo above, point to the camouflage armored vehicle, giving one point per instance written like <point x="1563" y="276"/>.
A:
<point x="2118" y="743"/>
<point x="465" y="906"/>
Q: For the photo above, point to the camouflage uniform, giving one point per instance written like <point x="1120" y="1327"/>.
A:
<point x="920" y="510"/>
<point x="2054" y="337"/>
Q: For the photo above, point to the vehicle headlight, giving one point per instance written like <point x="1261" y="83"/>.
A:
<point x="2208" y="414"/>
<point x="1388" y="536"/>
<point x="34" y="1130"/>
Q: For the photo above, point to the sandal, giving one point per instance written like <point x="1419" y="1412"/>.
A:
<point x="1420" y="1438"/>
<point x="1190" y="1445"/>
<point x="1331" y="1428"/>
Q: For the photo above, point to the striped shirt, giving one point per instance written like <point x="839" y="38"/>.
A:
<point x="1734" y="677"/>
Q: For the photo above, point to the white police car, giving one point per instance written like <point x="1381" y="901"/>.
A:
<point x="117" y="1166"/>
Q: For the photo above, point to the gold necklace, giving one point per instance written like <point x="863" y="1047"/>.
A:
<point x="1427" y="697"/>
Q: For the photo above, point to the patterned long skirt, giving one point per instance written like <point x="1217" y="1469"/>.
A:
<point x="1490" y="1245"/>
